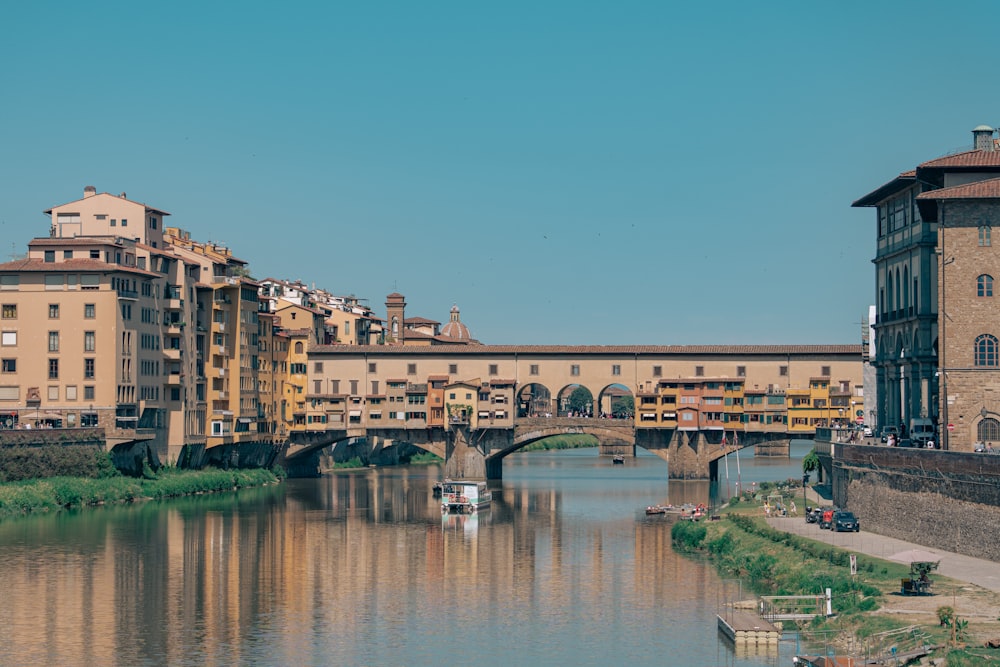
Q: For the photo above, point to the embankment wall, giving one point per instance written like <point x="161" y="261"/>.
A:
<point x="946" y="500"/>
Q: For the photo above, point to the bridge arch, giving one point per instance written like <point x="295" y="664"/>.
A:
<point x="534" y="400"/>
<point x="616" y="401"/>
<point x="575" y="400"/>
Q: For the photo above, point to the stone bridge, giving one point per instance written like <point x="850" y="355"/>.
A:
<point x="479" y="453"/>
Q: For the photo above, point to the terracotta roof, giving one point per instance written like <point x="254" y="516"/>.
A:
<point x="419" y="320"/>
<point x="973" y="158"/>
<point x="988" y="189"/>
<point x="616" y="350"/>
<point x="76" y="241"/>
<point x="95" y="265"/>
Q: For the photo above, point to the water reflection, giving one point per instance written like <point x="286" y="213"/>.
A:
<point x="361" y="568"/>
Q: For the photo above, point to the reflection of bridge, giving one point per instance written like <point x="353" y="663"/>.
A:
<point x="479" y="452"/>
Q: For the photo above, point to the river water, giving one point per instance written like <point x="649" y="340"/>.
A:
<point x="361" y="568"/>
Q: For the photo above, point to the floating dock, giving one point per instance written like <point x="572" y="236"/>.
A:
<point x="744" y="627"/>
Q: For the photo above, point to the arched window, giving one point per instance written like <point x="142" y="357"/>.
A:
<point x="988" y="430"/>
<point x="897" y="297"/>
<point x="298" y="347"/>
<point x="892" y="305"/>
<point x="986" y="350"/>
<point x="907" y="306"/>
<point x="984" y="235"/>
<point x="984" y="285"/>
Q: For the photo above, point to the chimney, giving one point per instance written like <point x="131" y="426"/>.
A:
<point x="89" y="191"/>
<point x="982" y="138"/>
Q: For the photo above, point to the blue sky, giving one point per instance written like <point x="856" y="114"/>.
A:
<point x="566" y="172"/>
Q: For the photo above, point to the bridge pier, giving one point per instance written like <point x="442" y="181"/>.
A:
<point x="779" y="448"/>
<point x="469" y="453"/>
<point x="689" y="456"/>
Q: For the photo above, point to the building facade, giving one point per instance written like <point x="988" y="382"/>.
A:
<point x="935" y="322"/>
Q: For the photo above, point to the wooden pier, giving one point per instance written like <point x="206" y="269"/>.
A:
<point x="744" y="627"/>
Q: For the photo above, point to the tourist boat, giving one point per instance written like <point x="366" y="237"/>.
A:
<point x="618" y="459"/>
<point x="464" y="497"/>
<point x="437" y="486"/>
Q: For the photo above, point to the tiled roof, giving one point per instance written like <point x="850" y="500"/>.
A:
<point x="75" y="241"/>
<point x="419" y="320"/>
<point x="973" y="158"/>
<point x="988" y="189"/>
<point x="617" y="350"/>
<point x="901" y="182"/>
<point x="39" y="266"/>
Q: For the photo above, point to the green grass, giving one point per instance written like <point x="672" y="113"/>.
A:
<point x="57" y="493"/>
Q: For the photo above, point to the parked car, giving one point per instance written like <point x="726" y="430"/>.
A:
<point x="867" y="431"/>
<point x="826" y="520"/>
<point x="844" y="520"/>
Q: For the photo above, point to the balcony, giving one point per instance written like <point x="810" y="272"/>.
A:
<point x="173" y="353"/>
<point x="174" y="379"/>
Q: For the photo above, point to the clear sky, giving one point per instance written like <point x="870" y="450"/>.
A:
<point x="565" y="172"/>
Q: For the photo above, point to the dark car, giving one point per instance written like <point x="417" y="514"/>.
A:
<point x="845" y="521"/>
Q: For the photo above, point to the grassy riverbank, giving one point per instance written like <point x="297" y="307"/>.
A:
<point x="57" y="493"/>
<point x="773" y="562"/>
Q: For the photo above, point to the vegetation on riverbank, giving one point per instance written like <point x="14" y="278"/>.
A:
<point x="57" y="493"/>
<point x="568" y="441"/>
<point x="772" y="562"/>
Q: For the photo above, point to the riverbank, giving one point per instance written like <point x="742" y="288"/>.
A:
<point x="772" y="561"/>
<point x="54" y="494"/>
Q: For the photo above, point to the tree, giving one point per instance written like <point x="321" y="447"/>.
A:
<point x="810" y="462"/>
<point x="623" y="405"/>
<point x="579" y="400"/>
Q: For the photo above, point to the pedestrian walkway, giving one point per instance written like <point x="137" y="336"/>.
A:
<point x="976" y="571"/>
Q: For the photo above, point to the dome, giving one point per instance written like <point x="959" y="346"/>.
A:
<point x="454" y="328"/>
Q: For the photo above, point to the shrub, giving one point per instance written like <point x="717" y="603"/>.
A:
<point x="689" y="535"/>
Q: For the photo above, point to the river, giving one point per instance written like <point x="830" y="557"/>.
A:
<point x="360" y="568"/>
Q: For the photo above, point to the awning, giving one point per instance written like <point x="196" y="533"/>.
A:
<point x="42" y="414"/>
<point x="355" y="413"/>
<point x="377" y="414"/>
<point x="245" y="420"/>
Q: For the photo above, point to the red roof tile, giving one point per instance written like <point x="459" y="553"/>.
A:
<point x="988" y="189"/>
<point x="973" y="158"/>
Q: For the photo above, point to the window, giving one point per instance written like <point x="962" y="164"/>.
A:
<point x="53" y="369"/>
<point x="986" y="350"/>
<point x="50" y="256"/>
<point x="53" y="341"/>
<point x="824" y="371"/>
<point x="9" y="311"/>
<point x="88" y="341"/>
<point x="88" y="395"/>
<point x="10" y="282"/>
<point x="452" y="369"/>
<point x="783" y="371"/>
<point x="411" y="369"/>
<point x="984" y="236"/>
<point x="533" y="369"/>
<point x="8" y="338"/>
<point x="574" y="369"/>
<point x="71" y="392"/>
<point x="152" y="223"/>
<point x="318" y="367"/>
<point x="616" y="369"/>
<point x="54" y="393"/>
<point x="95" y="254"/>
<point x="67" y="254"/>
<point x="657" y="371"/>
<point x="53" y="311"/>
<point x="124" y="222"/>
<point x="699" y="371"/>
<point x="373" y="368"/>
<point x="984" y="285"/>
<point x="88" y="369"/>
<point x="54" y="282"/>
<point x="8" y="366"/>
<point x="493" y="369"/>
<point x="299" y="347"/>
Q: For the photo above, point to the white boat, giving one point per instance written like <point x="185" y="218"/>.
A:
<point x="464" y="497"/>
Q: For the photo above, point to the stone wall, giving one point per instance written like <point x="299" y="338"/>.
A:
<point x="945" y="500"/>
